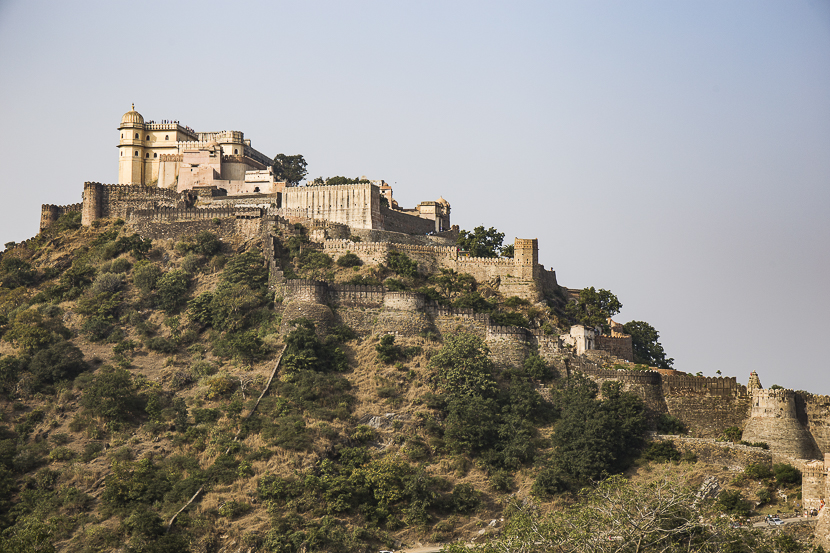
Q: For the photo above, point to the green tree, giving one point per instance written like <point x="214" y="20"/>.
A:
<point x="112" y="394"/>
<point x="593" y="307"/>
<point x="481" y="242"/>
<point x="646" y="345"/>
<point x="172" y="290"/>
<point x="291" y="169"/>
<point x="594" y="436"/>
<point x="462" y="367"/>
<point x="16" y="272"/>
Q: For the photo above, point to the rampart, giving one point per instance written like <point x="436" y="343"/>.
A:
<point x="735" y="456"/>
<point x="231" y="225"/>
<point x="114" y="200"/>
<point x="618" y="346"/>
<point x="774" y="419"/>
<point x="50" y="213"/>
<point x="398" y="221"/>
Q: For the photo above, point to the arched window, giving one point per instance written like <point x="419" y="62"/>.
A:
<point x="236" y="151"/>
<point x="122" y="135"/>
<point x="256" y="189"/>
<point x="148" y="137"/>
<point x="167" y="137"/>
<point x="148" y="154"/>
<point x="122" y="153"/>
<point x="136" y="136"/>
<point x="155" y="154"/>
<point x="136" y="153"/>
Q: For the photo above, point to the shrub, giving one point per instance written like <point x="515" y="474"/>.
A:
<point x="112" y="395"/>
<point x="757" y="471"/>
<point x="220" y="386"/>
<point x="786" y="473"/>
<point x="733" y="503"/>
<point x="395" y="285"/>
<point x="233" y="509"/>
<point x="15" y="272"/>
<point x="61" y="453"/>
<point x="732" y="434"/>
<point x="146" y="276"/>
<point x="402" y="264"/>
<point x="465" y="498"/>
<point x="172" y="290"/>
<point x="349" y="260"/>
<point x="661" y="451"/>
<point x="107" y="282"/>
<point x="57" y="362"/>
<point x="668" y="424"/>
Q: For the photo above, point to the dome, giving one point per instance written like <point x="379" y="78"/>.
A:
<point x="213" y="146"/>
<point x="442" y="201"/>
<point x="132" y="117"/>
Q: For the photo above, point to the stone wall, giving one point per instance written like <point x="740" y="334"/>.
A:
<point x="727" y="454"/>
<point x="397" y="221"/>
<point x="816" y="409"/>
<point x="112" y="200"/>
<point x="617" y="346"/>
<point x="356" y="205"/>
<point x="233" y="226"/>
<point x="50" y="213"/>
<point x="774" y="420"/>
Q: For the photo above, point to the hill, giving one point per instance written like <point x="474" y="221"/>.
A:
<point x="185" y="394"/>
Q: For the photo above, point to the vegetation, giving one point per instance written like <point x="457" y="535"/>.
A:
<point x="646" y="345"/>
<point x="483" y="243"/>
<point x="130" y="371"/>
<point x="291" y="169"/>
<point x="594" y="307"/>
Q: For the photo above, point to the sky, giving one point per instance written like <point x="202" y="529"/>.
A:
<point x="675" y="153"/>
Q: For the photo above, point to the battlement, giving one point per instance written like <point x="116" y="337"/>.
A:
<point x="767" y="394"/>
<point x="507" y="262"/>
<point x="193" y="213"/>
<point x="50" y="213"/>
<point x="178" y="158"/>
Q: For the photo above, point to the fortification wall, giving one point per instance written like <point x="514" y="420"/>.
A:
<point x="774" y="420"/>
<point x="817" y="415"/>
<point x="813" y="483"/>
<point x="374" y="235"/>
<point x="114" y="200"/>
<point x="356" y="205"/>
<point x="736" y="457"/>
<point x="233" y="226"/>
<point x="50" y="213"/>
<point x="617" y="346"/>
<point x="397" y="221"/>
<point x="356" y="295"/>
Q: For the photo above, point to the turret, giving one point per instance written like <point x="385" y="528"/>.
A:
<point x="773" y="420"/>
<point x="131" y="148"/>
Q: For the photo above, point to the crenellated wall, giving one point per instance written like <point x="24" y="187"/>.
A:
<point x="774" y="419"/>
<point x="50" y="213"/>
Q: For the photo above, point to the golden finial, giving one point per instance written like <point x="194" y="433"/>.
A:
<point x="133" y="109"/>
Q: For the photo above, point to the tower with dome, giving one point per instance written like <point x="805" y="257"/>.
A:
<point x="170" y="155"/>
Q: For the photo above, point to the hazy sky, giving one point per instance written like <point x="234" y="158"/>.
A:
<point x="676" y="153"/>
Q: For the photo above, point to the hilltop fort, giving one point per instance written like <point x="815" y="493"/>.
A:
<point x="175" y="182"/>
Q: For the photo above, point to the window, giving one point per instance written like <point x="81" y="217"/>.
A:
<point x="167" y="137"/>
<point x="148" y="137"/>
<point x="148" y="154"/>
<point x="236" y="151"/>
<point x="155" y="155"/>
<point x="136" y="136"/>
<point x="256" y="189"/>
<point x="122" y="153"/>
<point x="136" y="153"/>
<point x="122" y="135"/>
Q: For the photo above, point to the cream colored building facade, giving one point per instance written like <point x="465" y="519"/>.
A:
<point x="170" y="155"/>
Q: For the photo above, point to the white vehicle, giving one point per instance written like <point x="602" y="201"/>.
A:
<point x="774" y="520"/>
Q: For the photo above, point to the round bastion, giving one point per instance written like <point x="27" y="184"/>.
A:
<point x="403" y="301"/>
<point x="773" y="420"/>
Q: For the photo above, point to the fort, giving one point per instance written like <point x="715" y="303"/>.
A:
<point x="175" y="182"/>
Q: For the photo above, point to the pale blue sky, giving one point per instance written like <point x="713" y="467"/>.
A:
<point x="676" y="153"/>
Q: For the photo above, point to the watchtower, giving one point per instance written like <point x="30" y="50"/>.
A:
<point x="525" y="257"/>
<point x="131" y="148"/>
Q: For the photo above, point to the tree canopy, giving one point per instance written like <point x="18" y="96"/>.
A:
<point x="594" y="307"/>
<point x="291" y="169"/>
<point x="646" y="345"/>
<point x="481" y="242"/>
